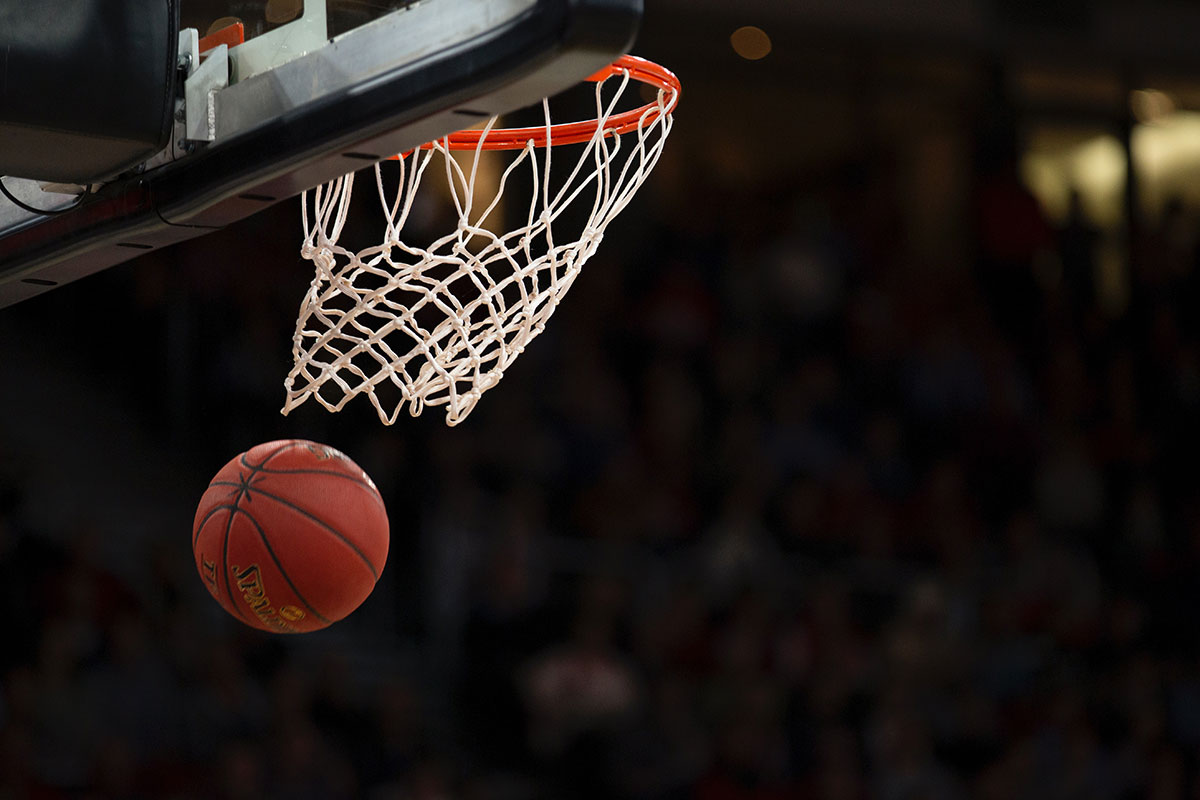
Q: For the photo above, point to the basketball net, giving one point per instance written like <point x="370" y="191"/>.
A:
<point x="439" y="325"/>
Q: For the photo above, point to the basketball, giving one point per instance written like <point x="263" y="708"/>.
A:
<point x="290" y="536"/>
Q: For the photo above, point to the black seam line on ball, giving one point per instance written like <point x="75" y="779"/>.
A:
<point x="324" y="525"/>
<point x="282" y="571"/>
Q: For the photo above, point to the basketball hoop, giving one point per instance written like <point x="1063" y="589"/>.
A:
<point x="439" y="325"/>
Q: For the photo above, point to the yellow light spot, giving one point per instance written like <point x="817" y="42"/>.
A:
<point x="1150" y="105"/>
<point x="280" y="11"/>
<point x="750" y="43"/>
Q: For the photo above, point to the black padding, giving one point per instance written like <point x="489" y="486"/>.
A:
<point x="86" y="86"/>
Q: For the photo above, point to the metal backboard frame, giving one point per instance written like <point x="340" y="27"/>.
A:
<point x="405" y="78"/>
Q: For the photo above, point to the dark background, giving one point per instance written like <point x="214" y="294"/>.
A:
<point x="852" y="466"/>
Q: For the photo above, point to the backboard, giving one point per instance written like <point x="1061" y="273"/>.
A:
<point x="279" y="96"/>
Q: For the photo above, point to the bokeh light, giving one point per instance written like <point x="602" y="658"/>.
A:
<point x="1150" y="105"/>
<point x="750" y="43"/>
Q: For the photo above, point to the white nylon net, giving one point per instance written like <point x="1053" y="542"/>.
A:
<point x="439" y="325"/>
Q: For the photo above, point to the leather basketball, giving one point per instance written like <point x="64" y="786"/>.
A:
<point x="290" y="536"/>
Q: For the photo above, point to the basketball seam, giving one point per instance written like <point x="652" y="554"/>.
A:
<point x="234" y="484"/>
<point x="204" y="521"/>
<point x="225" y="569"/>
<point x="286" y="446"/>
<point x="332" y="473"/>
<point x="262" y="467"/>
<point x="267" y="544"/>
<point x="322" y="523"/>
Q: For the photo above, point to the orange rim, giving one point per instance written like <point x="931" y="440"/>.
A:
<point x="639" y="69"/>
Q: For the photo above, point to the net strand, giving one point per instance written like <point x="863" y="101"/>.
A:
<point x="413" y="327"/>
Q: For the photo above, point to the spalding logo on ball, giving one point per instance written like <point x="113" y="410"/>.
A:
<point x="290" y="536"/>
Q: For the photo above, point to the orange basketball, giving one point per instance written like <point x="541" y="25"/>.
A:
<point x="290" y="536"/>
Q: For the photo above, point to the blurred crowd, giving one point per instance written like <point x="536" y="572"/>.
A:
<point x="772" y="510"/>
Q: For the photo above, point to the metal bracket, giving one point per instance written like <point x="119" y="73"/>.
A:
<point x="189" y="51"/>
<point x="200" y="90"/>
<point x="188" y="60"/>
